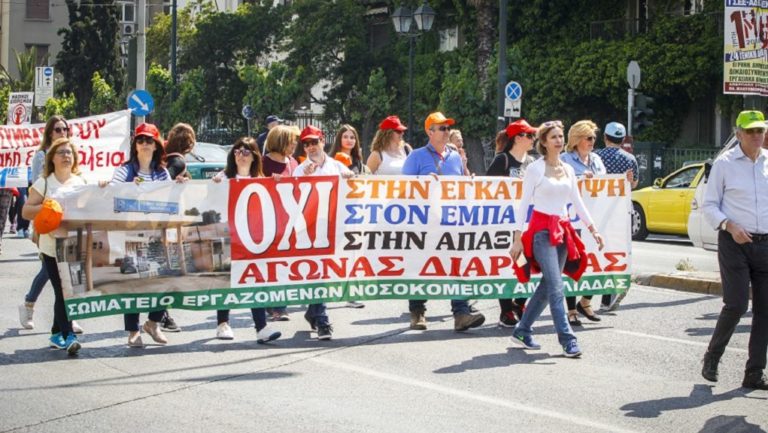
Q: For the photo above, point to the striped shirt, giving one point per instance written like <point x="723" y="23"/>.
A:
<point x="130" y="170"/>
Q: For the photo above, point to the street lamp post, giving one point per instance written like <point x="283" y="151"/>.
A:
<point x="402" y="19"/>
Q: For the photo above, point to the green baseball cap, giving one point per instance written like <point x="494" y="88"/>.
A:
<point x="751" y="119"/>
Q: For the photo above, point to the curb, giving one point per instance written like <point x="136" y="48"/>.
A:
<point x="681" y="281"/>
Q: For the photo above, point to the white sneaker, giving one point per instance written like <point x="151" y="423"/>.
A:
<point x="76" y="328"/>
<point x="25" y="316"/>
<point x="224" y="332"/>
<point x="355" y="304"/>
<point x="616" y="301"/>
<point x="267" y="334"/>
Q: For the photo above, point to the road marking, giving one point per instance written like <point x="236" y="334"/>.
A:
<point x="470" y="396"/>
<point x="675" y="340"/>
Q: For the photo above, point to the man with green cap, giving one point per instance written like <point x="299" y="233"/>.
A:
<point x="736" y="204"/>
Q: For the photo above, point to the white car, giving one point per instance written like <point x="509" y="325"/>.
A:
<point x="699" y="231"/>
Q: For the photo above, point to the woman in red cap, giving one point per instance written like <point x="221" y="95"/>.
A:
<point x="347" y="149"/>
<point x="388" y="150"/>
<point x="512" y="158"/>
<point x="61" y="169"/>
<point x="145" y="164"/>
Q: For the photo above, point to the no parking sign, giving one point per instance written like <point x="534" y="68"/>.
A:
<point x="20" y="108"/>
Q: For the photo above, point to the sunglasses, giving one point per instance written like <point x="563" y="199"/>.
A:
<point x="242" y="152"/>
<point x="442" y="128"/>
<point x="311" y="143"/>
<point x="523" y="134"/>
<point x="61" y="130"/>
<point x="64" y="152"/>
<point x="143" y="139"/>
<point x="591" y="138"/>
<point x="754" y="130"/>
<point x="552" y="124"/>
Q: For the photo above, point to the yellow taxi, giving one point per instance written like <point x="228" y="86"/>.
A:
<point x="664" y="207"/>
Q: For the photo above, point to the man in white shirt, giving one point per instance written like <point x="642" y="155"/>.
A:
<point x="736" y="204"/>
<point x="318" y="163"/>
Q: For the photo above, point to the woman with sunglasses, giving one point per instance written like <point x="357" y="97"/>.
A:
<point x="244" y="162"/>
<point x="388" y="150"/>
<point x="512" y="158"/>
<point x="585" y="163"/>
<point x="145" y="164"/>
<point x="56" y="127"/>
<point x="346" y="149"/>
<point x="280" y="145"/>
<point x="61" y="170"/>
<point x="550" y="243"/>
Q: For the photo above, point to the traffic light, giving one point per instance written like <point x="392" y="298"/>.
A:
<point x="642" y="112"/>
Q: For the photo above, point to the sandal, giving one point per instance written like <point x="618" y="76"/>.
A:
<point x="573" y="318"/>
<point x="587" y="312"/>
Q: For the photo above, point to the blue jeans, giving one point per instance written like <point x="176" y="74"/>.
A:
<point x="317" y="313"/>
<point x="37" y="286"/>
<point x="551" y="260"/>
<point x="458" y="306"/>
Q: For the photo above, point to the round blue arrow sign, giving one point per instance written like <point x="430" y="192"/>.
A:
<point x="140" y="103"/>
<point x="513" y="91"/>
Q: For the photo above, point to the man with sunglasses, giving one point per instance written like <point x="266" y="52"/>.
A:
<point x="318" y="163"/>
<point x="437" y="159"/>
<point x="736" y="204"/>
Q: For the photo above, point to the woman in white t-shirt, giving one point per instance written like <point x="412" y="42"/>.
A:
<point x="61" y="170"/>
<point x="388" y="150"/>
<point x="244" y="162"/>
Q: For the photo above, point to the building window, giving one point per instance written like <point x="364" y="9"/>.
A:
<point x="127" y="12"/>
<point x="449" y="39"/>
<point x="38" y="9"/>
<point x="41" y="52"/>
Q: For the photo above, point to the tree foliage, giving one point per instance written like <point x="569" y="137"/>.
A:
<point x="89" y="44"/>
<point x="104" y="99"/>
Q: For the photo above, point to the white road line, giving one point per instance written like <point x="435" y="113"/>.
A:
<point x="674" y="340"/>
<point x="661" y="290"/>
<point x="470" y="396"/>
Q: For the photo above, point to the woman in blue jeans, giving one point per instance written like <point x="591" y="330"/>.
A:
<point x="550" y="243"/>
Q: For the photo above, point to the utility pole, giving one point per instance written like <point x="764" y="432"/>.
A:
<point x="501" y="121"/>
<point x="141" y="50"/>
<point x="173" y="50"/>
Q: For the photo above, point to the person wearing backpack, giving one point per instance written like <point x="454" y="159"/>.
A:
<point x="512" y="158"/>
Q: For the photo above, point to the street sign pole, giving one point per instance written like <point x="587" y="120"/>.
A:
<point x="141" y="50"/>
<point x="633" y="78"/>
<point x="630" y="106"/>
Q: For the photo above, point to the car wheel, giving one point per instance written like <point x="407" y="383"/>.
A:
<point x="639" y="229"/>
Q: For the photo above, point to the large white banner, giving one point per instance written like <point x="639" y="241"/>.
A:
<point x="258" y="242"/>
<point x="103" y="142"/>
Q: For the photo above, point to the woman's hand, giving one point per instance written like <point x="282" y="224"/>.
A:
<point x="103" y="183"/>
<point x="600" y="241"/>
<point x="516" y="250"/>
<point x="588" y="174"/>
<point x="181" y="179"/>
<point x="276" y="177"/>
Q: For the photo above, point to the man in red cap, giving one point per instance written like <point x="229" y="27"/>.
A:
<point x="436" y="158"/>
<point x="318" y="163"/>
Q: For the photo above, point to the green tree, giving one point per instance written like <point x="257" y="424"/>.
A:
<point x="89" y="44"/>
<point x="369" y="106"/>
<point x="159" y="35"/>
<point x="62" y="106"/>
<point x="104" y="99"/>
<point x="272" y="89"/>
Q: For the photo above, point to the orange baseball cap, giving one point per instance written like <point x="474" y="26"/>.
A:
<point x="49" y="217"/>
<point x="437" y="118"/>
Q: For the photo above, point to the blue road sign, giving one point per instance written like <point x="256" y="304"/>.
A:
<point x="140" y="103"/>
<point x="48" y="71"/>
<point x="513" y="91"/>
<point x="247" y="112"/>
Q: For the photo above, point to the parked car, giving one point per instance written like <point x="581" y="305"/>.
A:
<point x="664" y="207"/>
<point x="206" y="160"/>
<point x="703" y="235"/>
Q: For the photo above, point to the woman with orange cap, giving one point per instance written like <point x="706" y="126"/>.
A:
<point x="388" y="150"/>
<point x="61" y="170"/>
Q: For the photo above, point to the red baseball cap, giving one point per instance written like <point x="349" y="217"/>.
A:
<point x="519" y="126"/>
<point x="149" y="130"/>
<point x="311" y="133"/>
<point x="392" y="122"/>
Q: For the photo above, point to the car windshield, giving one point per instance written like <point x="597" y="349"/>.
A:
<point x="207" y="152"/>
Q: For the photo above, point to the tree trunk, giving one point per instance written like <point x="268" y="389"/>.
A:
<point x="485" y="38"/>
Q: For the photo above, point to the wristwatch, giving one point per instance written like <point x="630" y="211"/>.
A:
<point x="723" y="225"/>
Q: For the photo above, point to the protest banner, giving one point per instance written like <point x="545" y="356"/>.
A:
<point x="258" y="242"/>
<point x="103" y="143"/>
<point x="745" y="54"/>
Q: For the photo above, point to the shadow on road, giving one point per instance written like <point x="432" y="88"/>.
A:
<point x="701" y="395"/>
<point x="497" y="360"/>
<point x="730" y="424"/>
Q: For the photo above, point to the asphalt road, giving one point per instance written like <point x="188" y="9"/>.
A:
<point x="639" y="373"/>
<point x="670" y="253"/>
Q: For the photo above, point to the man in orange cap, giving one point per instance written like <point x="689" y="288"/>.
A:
<point x="436" y="158"/>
